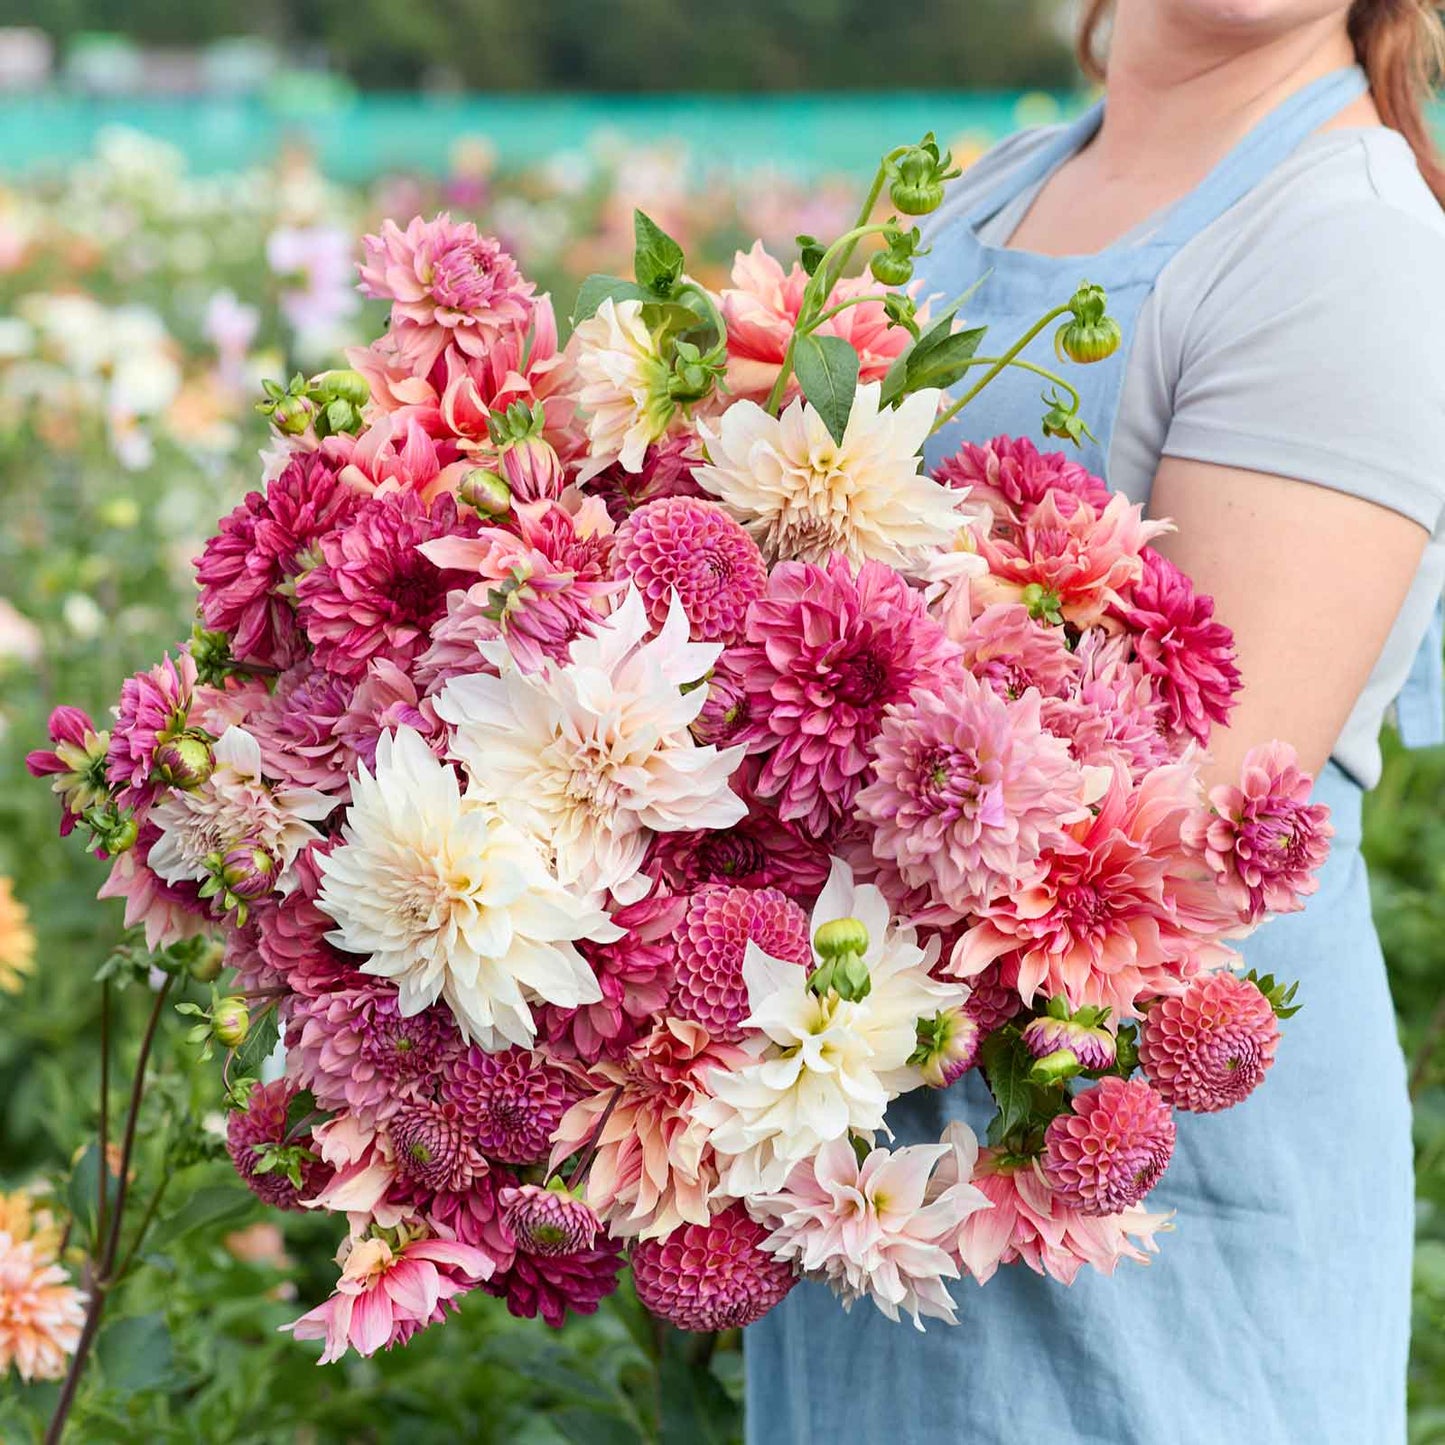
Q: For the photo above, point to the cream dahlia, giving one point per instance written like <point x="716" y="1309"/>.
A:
<point x="623" y="386"/>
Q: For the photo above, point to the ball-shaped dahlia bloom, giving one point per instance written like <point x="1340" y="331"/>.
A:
<point x="1208" y="1047"/>
<point x="1108" y="1152"/>
<point x="548" y="1221"/>
<point x="716" y="930"/>
<point x="509" y="1102"/>
<point x="694" y="549"/>
<point x="993" y="994"/>
<point x="433" y="1145"/>
<point x="713" y="1276"/>
<point x="260" y="1124"/>
<point x="552" y="1284"/>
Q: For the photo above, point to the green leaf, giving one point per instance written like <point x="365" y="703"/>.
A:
<point x="135" y="1353"/>
<point x="938" y="358"/>
<point x="82" y="1191"/>
<point x="1006" y="1065"/>
<point x="259" y="1044"/>
<point x="598" y="288"/>
<point x="595" y="1427"/>
<point x="657" y="262"/>
<point x="827" y="370"/>
<point x="213" y="1207"/>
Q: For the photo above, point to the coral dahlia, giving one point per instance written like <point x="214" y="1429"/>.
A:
<point x="1109" y="1150"/>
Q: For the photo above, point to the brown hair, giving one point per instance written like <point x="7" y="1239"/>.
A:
<point x="1400" y="44"/>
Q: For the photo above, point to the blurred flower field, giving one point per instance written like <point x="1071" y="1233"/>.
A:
<point x="140" y="307"/>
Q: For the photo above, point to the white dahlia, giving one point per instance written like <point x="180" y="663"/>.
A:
<point x="592" y="758"/>
<point x="824" y="1065"/>
<point x="442" y="895"/>
<point x="803" y="496"/>
<point x="623" y="386"/>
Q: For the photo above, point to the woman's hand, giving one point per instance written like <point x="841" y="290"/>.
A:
<point x="1309" y="579"/>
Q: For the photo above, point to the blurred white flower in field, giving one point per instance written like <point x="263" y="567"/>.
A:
<point x="83" y="615"/>
<point x="19" y="636"/>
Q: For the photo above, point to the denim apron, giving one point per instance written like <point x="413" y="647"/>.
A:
<point x="1277" y="1312"/>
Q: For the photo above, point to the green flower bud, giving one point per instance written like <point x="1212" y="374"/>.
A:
<point x="891" y="269"/>
<point x="839" y="937"/>
<point x="486" y="491"/>
<point x="230" y="1022"/>
<point x="1066" y="424"/>
<point x="1091" y="334"/>
<point x="184" y="761"/>
<point x="207" y="964"/>
<point x="1055" y="1067"/>
<point x="917" y="176"/>
<point x="291" y="416"/>
<point x="342" y="385"/>
<point x="121" y="838"/>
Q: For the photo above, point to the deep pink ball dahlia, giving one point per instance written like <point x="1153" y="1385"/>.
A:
<point x="548" y="1221"/>
<point x="1208" y="1048"/>
<point x="296" y="729"/>
<point x="153" y="705"/>
<point x="551" y="1284"/>
<point x="373" y="592"/>
<point x="266" y="542"/>
<point x="712" y="1276"/>
<point x="827" y="651"/>
<point x="433" y="1145"/>
<point x="1109" y="1151"/>
<point x="1012" y="476"/>
<point x="263" y="1122"/>
<point x="691" y="548"/>
<point x="1188" y="656"/>
<point x="716" y="930"/>
<point x="510" y="1102"/>
<point x="994" y="996"/>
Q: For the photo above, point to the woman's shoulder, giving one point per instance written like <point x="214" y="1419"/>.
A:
<point x="987" y="173"/>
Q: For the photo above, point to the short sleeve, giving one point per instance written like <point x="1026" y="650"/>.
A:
<point x="1314" y="349"/>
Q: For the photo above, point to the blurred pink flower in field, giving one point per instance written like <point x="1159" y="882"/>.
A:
<point x="314" y="266"/>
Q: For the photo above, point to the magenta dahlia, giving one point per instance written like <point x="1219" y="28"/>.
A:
<point x="154" y="706"/>
<point x="1109" y="1150"/>
<point x="1208" y="1048"/>
<point x="472" y="1215"/>
<point x="719" y="924"/>
<point x="712" y="1276"/>
<point x="548" y="1221"/>
<point x="510" y="1102"/>
<point x="1187" y="654"/>
<point x="75" y="762"/>
<point x="296" y="729"/>
<point x="666" y="472"/>
<point x="374" y="591"/>
<point x="692" y="548"/>
<point x="552" y="1284"/>
<point x="250" y="1134"/>
<point x="827" y="651"/>
<point x="291" y="935"/>
<point x="268" y="541"/>
<point x="433" y="1145"/>
<point x="1013" y="476"/>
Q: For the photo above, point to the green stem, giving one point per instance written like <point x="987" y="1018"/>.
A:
<point x="103" y="1203"/>
<point x="1000" y="362"/>
<point x="832" y="311"/>
<point x="866" y="210"/>
<point x="149" y="1214"/>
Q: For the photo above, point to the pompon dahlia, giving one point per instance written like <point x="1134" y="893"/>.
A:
<point x="969" y="792"/>
<point x="296" y="729"/>
<point x="154" y="705"/>
<point x="75" y="762"/>
<point x="552" y="1284"/>
<point x="41" y="1312"/>
<point x="719" y="924"/>
<point x="1012" y="476"/>
<point x="1109" y="1150"/>
<point x="355" y="1049"/>
<point x="993" y="995"/>
<point x="694" y="549"/>
<point x="260" y="1124"/>
<point x="826" y="651"/>
<point x="1006" y="649"/>
<point x="635" y="974"/>
<point x="1031" y="1224"/>
<point x="713" y="1276"/>
<point x="374" y="591"/>
<point x="433" y="1145"/>
<point x="267" y="542"/>
<point x="1187" y="654"/>
<point x="1209" y="1047"/>
<point x="1264" y="839"/>
<point x="548" y="1221"/>
<point x="510" y="1103"/>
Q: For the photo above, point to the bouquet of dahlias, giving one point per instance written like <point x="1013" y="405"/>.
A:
<point x="619" y="771"/>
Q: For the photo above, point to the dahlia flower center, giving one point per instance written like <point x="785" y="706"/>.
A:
<point x="1084" y="907"/>
<point x="861" y="680"/>
<point x="413" y="590"/>
<point x="730" y="855"/>
<point x="1276" y="839"/>
<point x="462" y="277"/>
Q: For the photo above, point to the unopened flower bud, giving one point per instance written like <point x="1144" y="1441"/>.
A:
<point x="248" y="871"/>
<point x="948" y="1046"/>
<point x="230" y="1022"/>
<point x="184" y="761"/>
<point x="1043" y="603"/>
<point x="1054" y="1068"/>
<point x="840" y="936"/>
<point x="1083" y="1034"/>
<point x="891" y="269"/>
<point x="291" y="416"/>
<point x="206" y="966"/>
<point x="342" y="385"/>
<point x="122" y="838"/>
<point x="917" y="177"/>
<point x="532" y="470"/>
<point x="486" y="491"/>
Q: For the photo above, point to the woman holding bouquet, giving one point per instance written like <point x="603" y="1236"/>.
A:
<point x="1259" y="195"/>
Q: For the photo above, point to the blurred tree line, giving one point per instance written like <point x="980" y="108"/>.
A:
<point x="625" y="45"/>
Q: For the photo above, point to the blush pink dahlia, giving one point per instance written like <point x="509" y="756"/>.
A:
<point x="1209" y="1047"/>
<point x="694" y="549"/>
<point x="827" y="651"/>
<point x="719" y="924"/>
<point x="510" y="1102"/>
<point x="246" y="569"/>
<point x="1187" y="654"/>
<point x="1265" y="840"/>
<point x="296" y="729"/>
<point x="1012" y="477"/>
<point x="969" y="792"/>
<point x="397" y="454"/>
<point x="1109" y="1150"/>
<point x="260" y="1124"/>
<point x="154" y="706"/>
<point x="1005" y="648"/>
<point x="384" y="700"/>
<point x="711" y="1276"/>
<point x="548" y="1221"/>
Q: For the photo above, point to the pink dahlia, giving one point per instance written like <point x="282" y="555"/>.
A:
<point x="1012" y="477"/>
<point x="447" y="285"/>
<point x="397" y="454"/>
<point x="969" y="792"/>
<point x="1068" y="559"/>
<point x="552" y="1284"/>
<point x="384" y="700"/>
<point x="356" y="1051"/>
<point x="1125" y="910"/>
<point x="1264" y="839"/>
<point x="993" y="994"/>
<point x="472" y="1215"/>
<point x="510" y="1102"/>
<point x="1109" y="1150"/>
<point x="374" y="590"/>
<point x="433" y="1145"/>
<point x="1209" y="1047"/>
<point x="291" y="935"/>
<point x="75" y="762"/>
<point x="1005" y="648"/>
<point x="635" y="974"/>
<point x="264" y="545"/>
<point x="693" y="549"/>
<point x="719" y="924"/>
<point x="827" y="651"/>
<point x="1083" y="1034"/>
<point x="1187" y="654"/>
<point x="762" y="307"/>
<point x="154" y="706"/>
<point x="296" y="729"/>
<point x="548" y="1221"/>
<point x="713" y="1276"/>
<point x="1030" y="1223"/>
<point x="666" y="472"/>
<point x="41" y="1312"/>
<point x="387" y="1292"/>
<point x="260" y="1126"/>
<point x="169" y="912"/>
